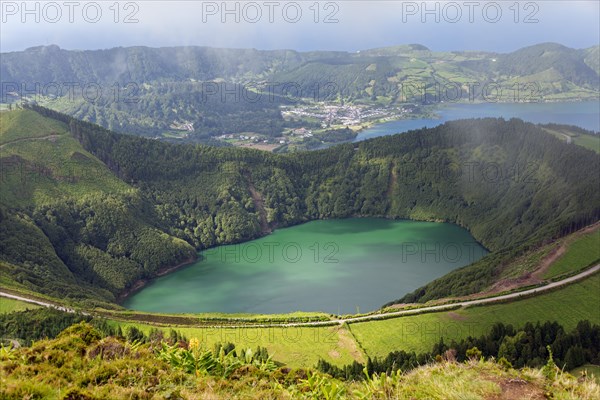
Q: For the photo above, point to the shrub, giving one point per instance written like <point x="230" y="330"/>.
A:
<point x="474" y="353"/>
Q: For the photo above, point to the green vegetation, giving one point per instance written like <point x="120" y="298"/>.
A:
<point x="28" y="326"/>
<point x="591" y="142"/>
<point x="15" y="126"/>
<point x="304" y="346"/>
<point x="528" y="346"/>
<point x="581" y="137"/>
<point x="151" y="204"/>
<point x="87" y="215"/>
<point x="80" y="363"/>
<point x="588" y="370"/>
<point x="42" y="163"/>
<point x="224" y="91"/>
<point x="67" y="213"/>
<point x="419" y="333"/>
<point x="293" y="346"/>
<point x="581" y="252"/>
<point x="11" y="305"/>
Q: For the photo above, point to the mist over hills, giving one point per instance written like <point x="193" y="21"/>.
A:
<point x="144" y="91"/>
<point x="145" y="64"/>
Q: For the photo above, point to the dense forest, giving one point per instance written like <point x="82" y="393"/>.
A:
<point x="510" y="183"/>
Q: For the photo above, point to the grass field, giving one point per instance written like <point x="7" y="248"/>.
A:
<point x="580" y="253"/>
<point x="583" y="140"/>
<point x="19" y="124"/>
<point x="591" y="370"/>
<point x="567" y="306"/>
<point x="10" y="305"/>
<point x="232" y="318"/>
<point x="293" y="346"/>
<point x="42" y="170"/>
<point x="588" y="141"/>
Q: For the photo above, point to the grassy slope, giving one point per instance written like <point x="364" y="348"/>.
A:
<point x="588" y="141"/>
<point x="567" y="306"/>
<point x="11" y="305"/>
<point x="582" y="252"/>
<point x="592" y="371"/>
<point x="581" y="139"/>
<point x="81" y="364"/>
<point x="293" y="346"/>
<point x="27" y="124"/>
<point x="43" y="170"/>
<point x="582" y="249"/>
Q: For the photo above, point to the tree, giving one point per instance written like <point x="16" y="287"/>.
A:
<point x="575" y="357"/>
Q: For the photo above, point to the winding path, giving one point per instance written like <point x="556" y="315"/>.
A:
<point x="38" y="302"/>
<point x="27" y="139"/>
<point x="340" y="321"/>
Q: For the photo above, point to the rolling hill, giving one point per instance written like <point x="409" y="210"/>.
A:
<point x="94" y="211"/>
<point x="147" y="91"/>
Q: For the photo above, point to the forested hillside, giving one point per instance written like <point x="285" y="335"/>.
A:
<point x="144" y="91"/>
<point x="145" y="204"/>
<point x="65" y="219"/>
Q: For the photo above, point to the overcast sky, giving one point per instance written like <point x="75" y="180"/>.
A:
<point x="302" y="25"/>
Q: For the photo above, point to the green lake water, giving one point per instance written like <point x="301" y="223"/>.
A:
<point x="337" y="266"/>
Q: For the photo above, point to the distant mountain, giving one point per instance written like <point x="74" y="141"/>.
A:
<point x="45" y="64"/>
<point x="146" y="91"/>
<point x="568" y="64"/>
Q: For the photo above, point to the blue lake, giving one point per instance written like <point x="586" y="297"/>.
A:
<point x="585" y="114"/>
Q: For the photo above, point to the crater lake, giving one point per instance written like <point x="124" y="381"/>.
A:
<point x="336" y="266"/>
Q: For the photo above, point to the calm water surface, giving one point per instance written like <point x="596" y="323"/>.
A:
<point x="585" y="114"/>
<point x="336" y="266"/>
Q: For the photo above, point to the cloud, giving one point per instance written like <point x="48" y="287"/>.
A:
<point x="301" y="25"/>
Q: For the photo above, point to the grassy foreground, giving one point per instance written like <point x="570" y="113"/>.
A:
<point x="79" y="364"/>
